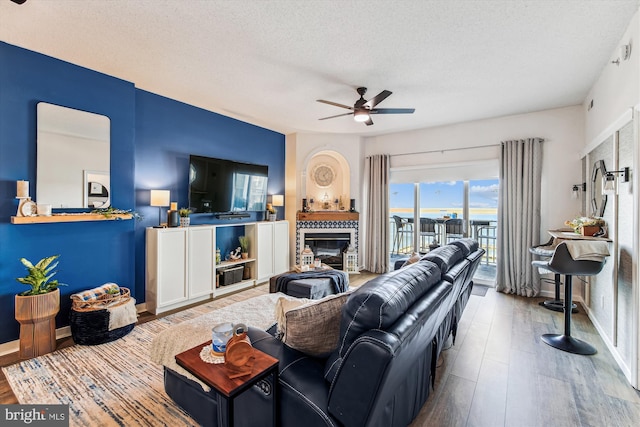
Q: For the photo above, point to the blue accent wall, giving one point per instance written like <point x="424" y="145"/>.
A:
<point x="151" y="139"/>
<point x="167" y="132"/>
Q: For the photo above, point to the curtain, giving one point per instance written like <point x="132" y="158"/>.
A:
<point x="519" y="216"/>
<point x="376" y="257"/>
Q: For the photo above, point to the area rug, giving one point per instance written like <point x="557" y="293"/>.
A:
<point x="479" y="290"/>
<point x="116" y="384"/>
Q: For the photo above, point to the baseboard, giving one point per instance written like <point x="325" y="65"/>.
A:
<point x="614" y="351"/>
<point x="64" y="332"/>
<point x="14" y="346"/>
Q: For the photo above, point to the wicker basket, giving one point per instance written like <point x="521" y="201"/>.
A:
<point x="104" y="301"/>
<point x="89" y="320"/>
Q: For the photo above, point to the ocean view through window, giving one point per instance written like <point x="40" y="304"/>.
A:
<point x="447" y="210"/>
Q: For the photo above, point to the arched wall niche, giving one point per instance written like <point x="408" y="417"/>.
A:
<point x="327" y="177"/>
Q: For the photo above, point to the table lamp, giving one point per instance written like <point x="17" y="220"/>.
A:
<point x="277" y="200"/>
<point x="160" y="198"/>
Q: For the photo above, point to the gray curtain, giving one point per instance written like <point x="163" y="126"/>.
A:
<point x="519" y="216"/>
<point x="376" y="256"/>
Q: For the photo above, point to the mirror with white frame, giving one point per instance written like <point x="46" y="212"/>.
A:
<point x="73" y="158"/>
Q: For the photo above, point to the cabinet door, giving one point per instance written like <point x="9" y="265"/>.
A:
<point x="280" y="247"/>
<point x="264" y="239"/>
<point x="201" y="261"/>
<point x="171" y="267"/>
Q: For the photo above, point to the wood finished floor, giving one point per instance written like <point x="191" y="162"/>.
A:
<point x="499" y="372"/>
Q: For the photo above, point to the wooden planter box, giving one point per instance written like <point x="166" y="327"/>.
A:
<point x="590" y="230"/>
<point x="36" y="315"/>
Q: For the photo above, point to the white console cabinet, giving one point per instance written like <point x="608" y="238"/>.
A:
<point x="181" y="262"/>
<point x="273" y="248"/>
<point x="180" y="265"/>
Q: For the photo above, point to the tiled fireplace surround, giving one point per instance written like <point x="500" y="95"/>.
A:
<point x="329" y="222"/>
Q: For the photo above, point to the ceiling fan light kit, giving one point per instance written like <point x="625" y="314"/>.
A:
<point x="361" y="116"/>
<point x="363" y="109"/>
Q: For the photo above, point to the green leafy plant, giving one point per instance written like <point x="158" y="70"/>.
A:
<point x="184" y="212"/>
<point x="244" y="243"/>
<point x="584" y="221"/>
<point x="39" y="277"/>
<point x="111" y="211"/>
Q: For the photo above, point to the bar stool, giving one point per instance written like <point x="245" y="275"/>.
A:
<point x="562" y="263"/>
<point x="545" y="251"/>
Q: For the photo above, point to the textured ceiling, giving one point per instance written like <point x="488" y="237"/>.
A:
<point x="266" y="62"/>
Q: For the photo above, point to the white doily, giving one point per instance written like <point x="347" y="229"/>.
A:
<point x="206" y="354"/>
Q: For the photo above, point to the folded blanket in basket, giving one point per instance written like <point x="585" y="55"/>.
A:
<point x="122" y="315"/>
<point x="95" y="293"/>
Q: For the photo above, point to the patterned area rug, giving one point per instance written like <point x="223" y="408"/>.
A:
<point x="116" y="384"/>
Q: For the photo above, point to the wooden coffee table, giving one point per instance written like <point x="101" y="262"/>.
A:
<point x="227" y="390"/>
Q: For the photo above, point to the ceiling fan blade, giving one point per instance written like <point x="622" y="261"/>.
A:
<point x="369" y="122"/>
<point x="338" y="115"/>
<point x="392" y="111"/>
<point x="335" y="104"/>
<point x="377" y="99"/>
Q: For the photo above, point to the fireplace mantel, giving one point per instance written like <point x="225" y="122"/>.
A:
<point x="328" y="216"/>
<point x="327" y="222"/>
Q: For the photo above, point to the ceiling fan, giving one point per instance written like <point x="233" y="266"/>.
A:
<point x="363" y="109"/>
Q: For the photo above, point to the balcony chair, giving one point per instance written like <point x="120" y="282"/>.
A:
<point x="403" y="228"/>
<point x="453" y="229"/>
<point x="427" y="229"/>
<point x="561" y="262"/>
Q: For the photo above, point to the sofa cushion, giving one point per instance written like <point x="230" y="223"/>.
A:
<point x="310" y="326"/>
<point x="466" y="245"/>
<point x="379" y="303"/>
<point x="444" y="257"/>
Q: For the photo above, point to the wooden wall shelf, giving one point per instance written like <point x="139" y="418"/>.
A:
<point x="74" y="217"/>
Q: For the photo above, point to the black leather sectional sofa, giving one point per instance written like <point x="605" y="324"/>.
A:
<point x="392" y="331"/>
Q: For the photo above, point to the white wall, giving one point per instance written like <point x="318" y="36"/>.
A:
<point x="300" y="148"/>
<point x="618" y="87"/>
<point x="562" y="130"/>
<point x="614" y="93"/>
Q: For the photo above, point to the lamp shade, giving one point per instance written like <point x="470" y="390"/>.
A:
<point x="160" y="197"/>
<point x="277" y="200"/>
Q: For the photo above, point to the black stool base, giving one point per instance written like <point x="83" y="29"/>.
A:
<point x="557" y="305"/>
<point x="569" y="344"/>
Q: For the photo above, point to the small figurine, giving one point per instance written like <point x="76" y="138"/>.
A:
<point x="236" y="254"/>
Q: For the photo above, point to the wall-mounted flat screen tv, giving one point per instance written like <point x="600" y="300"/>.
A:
<point x="220" y="186"/>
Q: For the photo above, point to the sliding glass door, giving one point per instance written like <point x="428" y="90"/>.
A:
<point x="428" y="214"/>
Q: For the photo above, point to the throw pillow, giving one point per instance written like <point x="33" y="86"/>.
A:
<point x="415" y="257"/>
<point x="311" y="326"/>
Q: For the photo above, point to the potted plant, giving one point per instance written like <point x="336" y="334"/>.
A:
<point x="184" y="217"/>
<point x="587" y="226"/>
<point x="37" y="307"/>
<point x="244" y="246"/>
<point x="271" y="212"/>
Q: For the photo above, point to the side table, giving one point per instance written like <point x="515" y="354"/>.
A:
<point x="235" y="407"/>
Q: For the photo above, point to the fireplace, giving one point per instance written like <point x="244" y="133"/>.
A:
<point x="328" y="247"/>
<point x="332" y="232"/>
